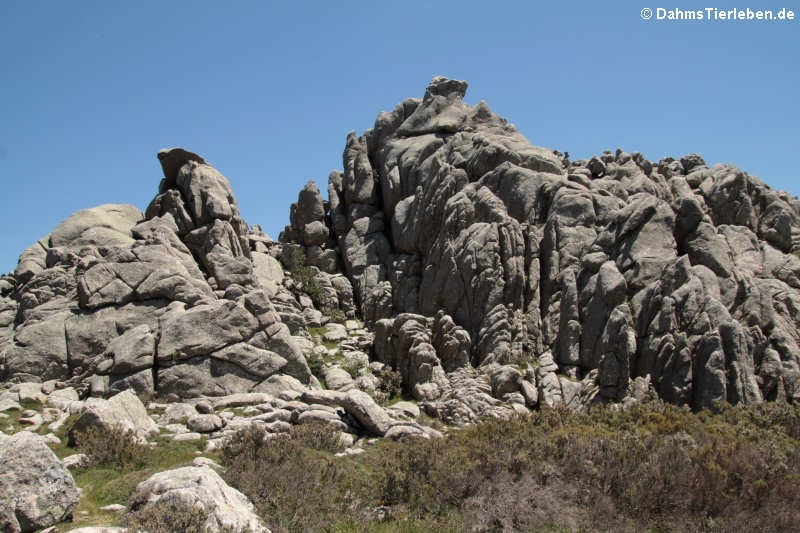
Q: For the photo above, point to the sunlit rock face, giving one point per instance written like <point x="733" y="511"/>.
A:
<point x="492" y="275"/>
<point x="167" y="300"/>
<point x="611" y="268"/>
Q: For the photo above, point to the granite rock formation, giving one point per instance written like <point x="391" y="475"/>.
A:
<point x="612" y="268"/>
<point x="492" y="275"/>
<point x="176" y="299"/>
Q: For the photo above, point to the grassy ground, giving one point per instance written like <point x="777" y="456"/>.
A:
<point x="320" y="332"/>
<point x="12" y="424"/>
<point x="108" y="483"/>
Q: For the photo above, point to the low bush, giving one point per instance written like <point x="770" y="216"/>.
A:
<point x="317" y="436"/>
<point x="352" y="367"/>
<point x="167" y="517"/>
<point x="31" y="403"/>
<point x="316" y="363"/>
<point x="337" y="315"/>
<point x="391" y="383"/>
<point x="651" y="467"/>
<point x="115" y="447"/>
<point x="293" y="487"/>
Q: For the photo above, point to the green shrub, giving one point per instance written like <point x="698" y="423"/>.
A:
<point x="337" y="315"/>
<point x="167" y="517"/>
<point x="352" y="367"/>
<point x="431" y="475"/>
<point x="401" y="524"/>
<point x="293" y="487"/>
<point x="316" y="363"/>
<point x="305" y="276"/>
<point x="391" y="382"/>
<point x="31" y="403"/>
<point x="115" y="447"/>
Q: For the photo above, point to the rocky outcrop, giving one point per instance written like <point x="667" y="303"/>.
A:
<point x="613" y="268"/>
<point x="175" y="300"/>
<point x="492" y="275"/>
<point x="36" y="489"/>
<point x="452" y="262"/>
<point x="369" y="415"/>
<point x="408" y="344"/>
<point x="308" y="228"/>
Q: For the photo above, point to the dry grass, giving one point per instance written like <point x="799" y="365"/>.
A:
<point x="113" y="447"/>
<point x="173" y="517"/>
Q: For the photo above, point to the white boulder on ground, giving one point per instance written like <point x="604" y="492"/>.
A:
<point x="62" y="398"/>
<point x="31" y="392"/>
<point x="123" y="410"/>
<point x="200" y="487"/>
<point x="178" y="412"/>
<point x="405" y="409"/>
<point x="205" y="423"/>
<point x="9" y="401"/>
<point x="337" y="378"/>
<point x="372" y="417"/>
<point x="76" y="460"/>
<point x="36" y="489"/>
<point x="334" y="332"/>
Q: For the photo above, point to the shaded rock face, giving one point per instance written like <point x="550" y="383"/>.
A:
<point x="613" y="268"/>
<point x="166" y="301"/>
<point x="422" y="354"/>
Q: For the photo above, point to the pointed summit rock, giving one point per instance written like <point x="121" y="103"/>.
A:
<point x="443" y="86"/>
<point x="172" y="159"/>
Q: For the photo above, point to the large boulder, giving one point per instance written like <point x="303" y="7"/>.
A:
<point x="39" y="350"/>
<point x="124" y="411"/>
<point x="224" y="323"/>
<point x="199" y="487"/>
<point x="36" y="489"/>
<point x="372" y="417"/>
<point x="112" y="299"/>
<point x="105" y="225"/>
<point x="267" y="270"/>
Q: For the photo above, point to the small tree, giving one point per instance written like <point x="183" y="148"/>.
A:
<point x="304" y="276"/>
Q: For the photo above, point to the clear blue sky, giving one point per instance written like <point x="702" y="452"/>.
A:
<point x="267" y="91"/>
